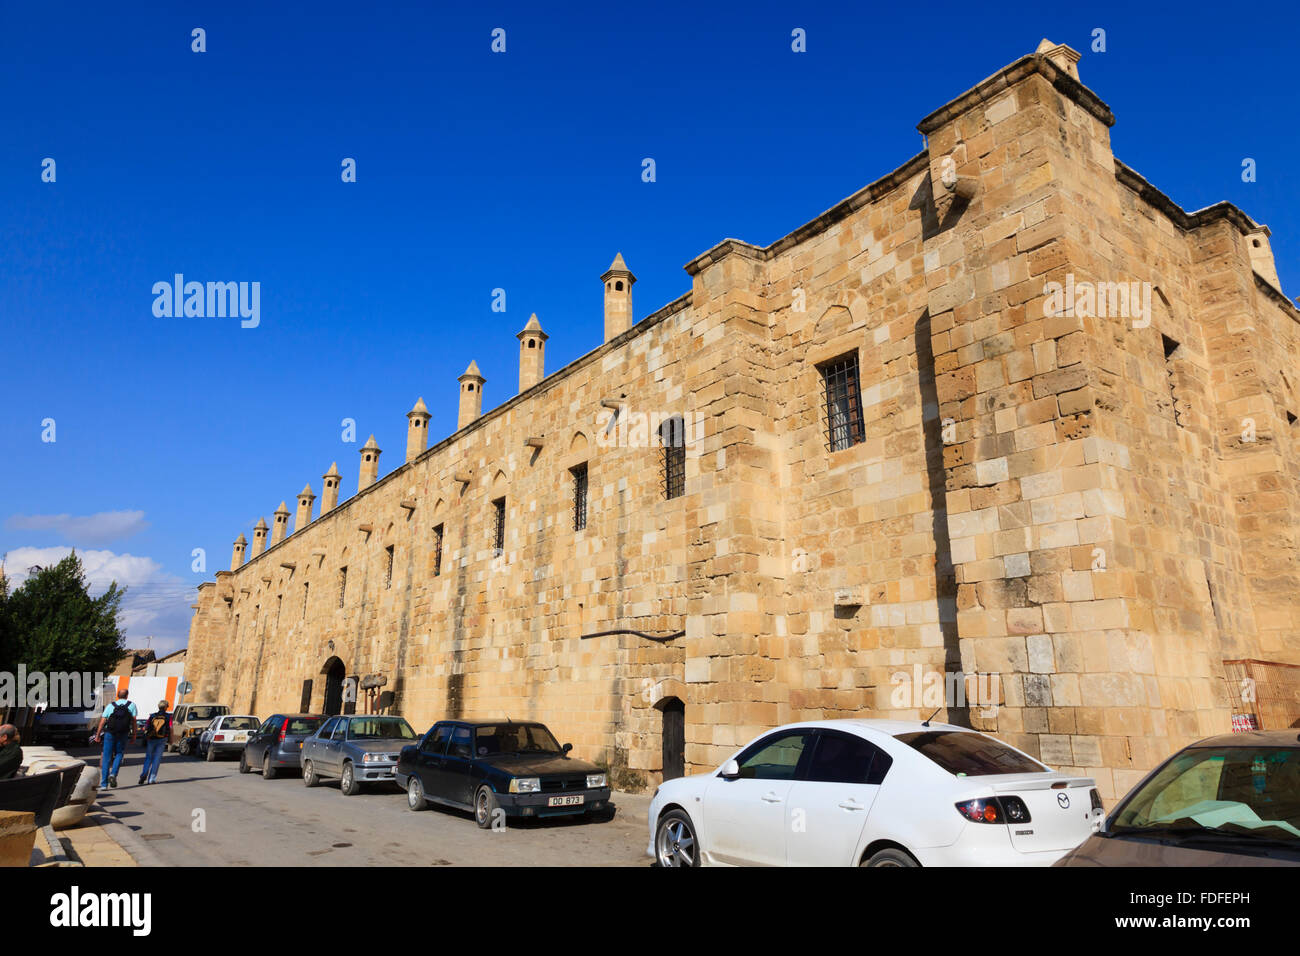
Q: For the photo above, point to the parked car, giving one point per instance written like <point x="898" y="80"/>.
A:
<point x="872" y="793"/>
<point x="190" y="720"/>
<point x="356" y="749"/>
<point x="227" y="734"/>
<point x="500" y="767"/>
<point x="1232" y="800"/>
<point x="70" y="724"/>
<point x="277" y="744"/>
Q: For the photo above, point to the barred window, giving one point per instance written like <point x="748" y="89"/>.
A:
<point x="672" y="451"/>
<point x="1173" y="357"/>
<point x="343" y="585"/>
<point x="579" y="496"/>
<point x="842" y="394"/>
<point x="437" y="551"/>
<point x="499" y="528"/>
<point x="388" y="566"/>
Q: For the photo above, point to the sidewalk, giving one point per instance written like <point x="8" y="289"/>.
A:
<point x="98" y="841"/>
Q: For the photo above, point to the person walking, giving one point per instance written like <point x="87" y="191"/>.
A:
<point x="115" y="723"/>
<point x="157" y="735"/>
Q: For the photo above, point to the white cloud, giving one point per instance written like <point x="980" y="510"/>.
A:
<point x="157" y="604"/>
<point x="99" y="528"/>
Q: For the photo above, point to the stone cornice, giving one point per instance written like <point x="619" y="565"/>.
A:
<point x="1278" y="296"/>
<point x="864" y="196"/>
<point x="1180" y="217"/>
<point x="672" y="308"/>
<point x="1008" y="77"/>
<point x="1189" y="221"/>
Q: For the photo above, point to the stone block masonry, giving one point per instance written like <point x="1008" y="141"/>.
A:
<point x="905" y="451"/>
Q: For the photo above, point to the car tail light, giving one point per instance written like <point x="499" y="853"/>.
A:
<point x="284" y="729"/>
<point x="219" y="737"/>
<point x="1015" y="809"/>
<point x="1096" y="799"/>
<point x="995" y="810"/>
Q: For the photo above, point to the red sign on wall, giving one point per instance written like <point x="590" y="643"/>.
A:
<point x="1241" y="723"/>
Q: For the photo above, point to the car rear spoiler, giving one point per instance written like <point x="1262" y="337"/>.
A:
<point x="1043" y="783"/>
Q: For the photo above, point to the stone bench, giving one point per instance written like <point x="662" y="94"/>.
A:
<point x="17" y="837"/>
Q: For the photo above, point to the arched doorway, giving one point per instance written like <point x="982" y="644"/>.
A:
<point x="674" y="737"/>
<point x="334" y="672"/>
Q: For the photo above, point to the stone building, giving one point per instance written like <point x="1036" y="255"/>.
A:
<point x="1007" y="412"/>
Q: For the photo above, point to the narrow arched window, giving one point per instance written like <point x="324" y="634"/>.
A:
<point x="672" y="452"/>
<point x="579" y="473"/>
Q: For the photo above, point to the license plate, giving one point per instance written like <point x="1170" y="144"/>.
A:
<point x="239" y="738"/>
<point x="564" y="801"/>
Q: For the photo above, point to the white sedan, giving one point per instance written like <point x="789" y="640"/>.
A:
<point x="226" y="734"/>
<point x="873" y="793"/>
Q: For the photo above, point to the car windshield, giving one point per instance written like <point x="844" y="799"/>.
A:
<point x="514" y="739"/>
<point x="380" y="728"/>
<point x="204" y="713"/>
<point x="240" y="723"/>
<point x="1244" y="793"/>
<point x="967" y="754"/>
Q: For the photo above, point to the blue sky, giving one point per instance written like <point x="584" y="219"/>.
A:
<point x="475" y="171"/>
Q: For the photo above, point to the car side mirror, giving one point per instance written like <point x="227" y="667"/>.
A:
<point x="566" y="748"/>
<point x="730" y="770"/>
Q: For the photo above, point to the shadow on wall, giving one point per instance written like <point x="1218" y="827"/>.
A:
<point x="945" y="578"/>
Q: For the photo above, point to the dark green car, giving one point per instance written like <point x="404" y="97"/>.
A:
<point x="500" y="769"/>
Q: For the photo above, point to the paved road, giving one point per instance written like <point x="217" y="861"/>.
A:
<point x="249" y="821"/>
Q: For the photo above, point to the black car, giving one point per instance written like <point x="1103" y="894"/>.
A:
<point x="277" y="744"/>
<point x="499" y="769"/>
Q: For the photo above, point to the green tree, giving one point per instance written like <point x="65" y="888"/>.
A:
<point x="6" y="641"/>
<point x="51" y="623"/>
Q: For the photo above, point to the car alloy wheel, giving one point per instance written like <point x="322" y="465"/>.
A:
<point x="485" y="807"/>
<point x="675" y="841"/>
<point x="309" y="778"/>
<point x="415" y="794"/>
<point x="268" y="772"/>
<point x="891" y="857"/>
<point x="348" y="782"/>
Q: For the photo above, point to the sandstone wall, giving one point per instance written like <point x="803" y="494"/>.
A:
<point x="1061" y="500"/>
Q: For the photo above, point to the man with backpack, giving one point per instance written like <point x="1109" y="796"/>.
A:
<point x="157" y="735"/>
<point x="117" y="721"/>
